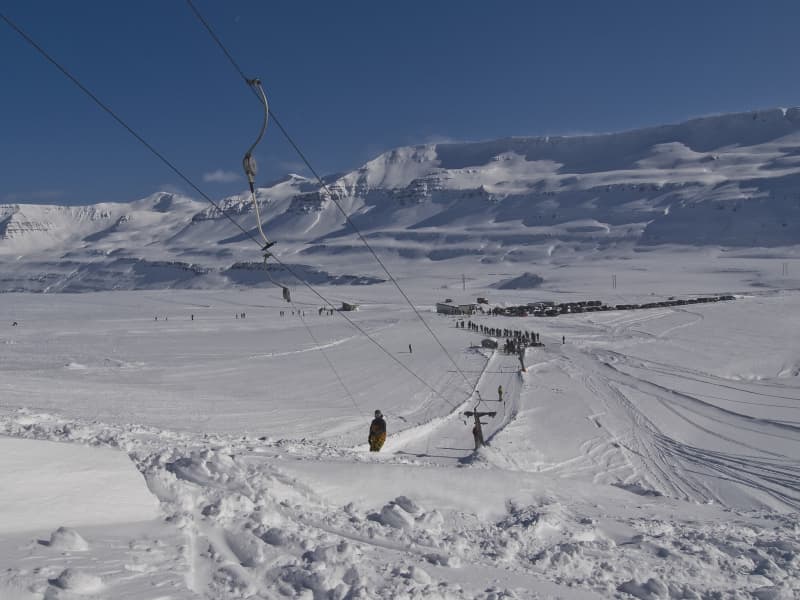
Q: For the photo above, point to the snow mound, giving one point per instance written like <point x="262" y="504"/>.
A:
<point x="394" y="516"/>
<point x="419" y="574"/>
<point x="67" y="539"/>
<point x="405" y="514"/>
<point x="773" y="592"/>
<point x="78" y="582"/>
<point x="650" y="589"/>
<point x="247" y="548"/>
<point x="526" y="281"/>
<point x="407" y="504"/>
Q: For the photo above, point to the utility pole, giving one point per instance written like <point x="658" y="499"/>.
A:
<point x="477" y="429"/>
<point x="521" y="356"/>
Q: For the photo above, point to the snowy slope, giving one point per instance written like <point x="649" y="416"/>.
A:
<point x="730" y="181"/>
<point x="638" y="460"/>
<point x="644" y="453"/>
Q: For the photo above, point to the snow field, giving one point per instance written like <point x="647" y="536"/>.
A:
<point x="636" y="460"/>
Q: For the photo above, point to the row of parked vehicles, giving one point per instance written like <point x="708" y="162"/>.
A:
<point x="552" y="309"/>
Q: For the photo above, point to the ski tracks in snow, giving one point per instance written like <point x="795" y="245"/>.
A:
<point x="653" y="423"/>
<point x="648" y="433"/>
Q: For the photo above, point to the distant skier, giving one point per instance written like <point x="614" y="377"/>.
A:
<point x="563" y="340"/>
<point x="377" y="432"/>
<point x="500" y="392"/>
<point x="410" y="351"/>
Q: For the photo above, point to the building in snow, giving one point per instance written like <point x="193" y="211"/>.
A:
<point x="454" y="309"/>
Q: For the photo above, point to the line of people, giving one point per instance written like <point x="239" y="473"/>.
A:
<point x="517" y="334"/>
<point x="516" y="339"/>
<point x="300" y="313"/>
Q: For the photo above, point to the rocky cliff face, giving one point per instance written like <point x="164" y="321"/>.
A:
<point x="20" y="221"/>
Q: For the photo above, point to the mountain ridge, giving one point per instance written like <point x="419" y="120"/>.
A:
<point x="727" y="180"/>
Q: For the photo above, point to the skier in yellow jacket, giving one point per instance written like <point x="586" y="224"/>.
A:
<point x="377" y="432"/>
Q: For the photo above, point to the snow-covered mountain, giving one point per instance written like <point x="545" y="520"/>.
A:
<point x="730" y="180"/>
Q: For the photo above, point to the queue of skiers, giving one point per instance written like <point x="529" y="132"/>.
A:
<point x="243" y="315"/>
<point x="301" y="313"/>
<point x="516" y="339"/>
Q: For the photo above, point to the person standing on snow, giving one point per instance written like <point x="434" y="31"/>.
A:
<point x="377" y="432"/>
<point x="500" y="392"/>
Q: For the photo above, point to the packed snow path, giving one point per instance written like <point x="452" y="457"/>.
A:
<point x="449" y="439"/>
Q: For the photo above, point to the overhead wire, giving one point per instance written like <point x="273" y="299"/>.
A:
<point x="347" y="390"/>
<point x="189" y="182"/>
<point x="330" y="194"/>
<point x="119" y="120"/>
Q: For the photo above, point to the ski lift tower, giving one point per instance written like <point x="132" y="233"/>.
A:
<point x="477" y="429"/>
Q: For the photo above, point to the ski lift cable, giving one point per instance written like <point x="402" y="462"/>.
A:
<point x="333" y="368"/>
<point x="119" y="120"/>
<point x="288" y="298"/>
<point x="328" y="191"/>
<point x="363" y="332"/>
<point x="187" y="180"/>
<point x="355" y="325"/>
<point x="205" y="196"/>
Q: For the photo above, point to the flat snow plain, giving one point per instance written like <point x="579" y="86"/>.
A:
<point x="655" y="454"/>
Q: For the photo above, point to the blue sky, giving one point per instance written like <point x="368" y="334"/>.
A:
<point x="351" y="79"/>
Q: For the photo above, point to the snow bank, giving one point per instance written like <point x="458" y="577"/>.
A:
<point x="79" y="582"/>
<point x="67" y="540"/>
<point x="58" y="484"/>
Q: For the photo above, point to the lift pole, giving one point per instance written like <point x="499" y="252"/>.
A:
<point x="477" y="429"/>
